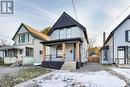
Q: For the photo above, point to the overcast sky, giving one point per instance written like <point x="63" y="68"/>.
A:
<point x="95" y="15"/>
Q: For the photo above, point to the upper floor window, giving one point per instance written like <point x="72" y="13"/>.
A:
<point x="65" y="33"/>
<point x="24" y="37"/>
<point x="68" y="33"/>
<point x="62" y="34"/>
<point x="127" y="36"/>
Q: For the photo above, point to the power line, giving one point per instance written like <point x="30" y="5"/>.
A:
<point x="117" y="17"/>
<point x="113" y="21"/>
<point x="74" y="10"/>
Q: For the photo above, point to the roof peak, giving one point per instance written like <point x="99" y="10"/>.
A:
<point x="33" y="32"/>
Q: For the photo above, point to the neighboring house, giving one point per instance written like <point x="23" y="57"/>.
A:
<point x="68" y="44"/>
<point x="27" y="47"/>
<point x="116" y="48"/>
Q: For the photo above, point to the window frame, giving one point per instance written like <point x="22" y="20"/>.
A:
<point x="63" y="33"/>
<point x="58" y="55"/>
<point x="28" y="51"/>
<point x="127" y="35"/>
<point x="68" y="33"/>
<point x="26" y="37"/>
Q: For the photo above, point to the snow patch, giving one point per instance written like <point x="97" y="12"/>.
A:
<point x="122" y="71"/>
<point x="86" y="79"/>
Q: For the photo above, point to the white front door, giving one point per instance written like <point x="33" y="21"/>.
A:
<point x="69" y="53"/>
<point x="121" y="55"/>
<point x="128" y="55"/>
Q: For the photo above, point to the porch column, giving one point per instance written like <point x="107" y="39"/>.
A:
<point x="63" y="51"/>
<point x="44" y="53"/>
<point x="77" y="51"/>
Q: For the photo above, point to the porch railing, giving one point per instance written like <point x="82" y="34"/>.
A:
<point x="53" y="58"/>
<point x="122" y="60"/>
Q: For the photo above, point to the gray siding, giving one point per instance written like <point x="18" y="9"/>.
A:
<point x="118" y="39"/>
<point x="76" y="32"/>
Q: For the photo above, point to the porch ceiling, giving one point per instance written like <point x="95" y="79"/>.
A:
<point x="60" y="41"/>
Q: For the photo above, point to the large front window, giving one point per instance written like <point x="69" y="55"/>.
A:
<point x="29" y="52"/>
<point x="11" y="53"/>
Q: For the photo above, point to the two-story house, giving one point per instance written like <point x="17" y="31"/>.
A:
<point x="116" y="47"/>
<point x="68" y="44"/>
<point x="27" y="47"/>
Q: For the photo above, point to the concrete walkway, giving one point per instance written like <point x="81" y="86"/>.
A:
<point x="91" y="67"/>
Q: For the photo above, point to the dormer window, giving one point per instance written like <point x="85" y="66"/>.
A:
<point x="23" y="37"/>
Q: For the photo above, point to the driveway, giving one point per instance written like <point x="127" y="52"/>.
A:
<point x="91" y="67"/>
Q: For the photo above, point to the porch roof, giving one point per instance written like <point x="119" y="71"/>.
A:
<point x="59" y="41"/>
<point x="10" y="47"/>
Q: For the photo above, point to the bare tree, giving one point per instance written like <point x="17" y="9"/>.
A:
<point x="3" y="42"/>
<point x="91" y="45"/>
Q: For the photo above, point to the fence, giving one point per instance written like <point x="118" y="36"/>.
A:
<point x="122" y="60"/>
<point x="93" y="59"/>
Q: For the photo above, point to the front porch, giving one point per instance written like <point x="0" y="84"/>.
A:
<point x="16" y="54"/>
<point x="123" y="55"/>
<point x="62" y="51"/>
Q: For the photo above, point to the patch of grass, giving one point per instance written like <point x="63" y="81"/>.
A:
<point x="9" y="80"/>
<point x="3" y="64"/>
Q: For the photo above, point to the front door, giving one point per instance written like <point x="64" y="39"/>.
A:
<point x="69" y="53"/>
<point x="128" y="55"/>
<point x="121" y="55"/>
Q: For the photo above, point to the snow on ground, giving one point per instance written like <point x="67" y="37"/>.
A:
<point x="88" y="79"/>
<point x="122" y="71"/>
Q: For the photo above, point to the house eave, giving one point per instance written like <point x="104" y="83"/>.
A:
<point x="59" y="41"/>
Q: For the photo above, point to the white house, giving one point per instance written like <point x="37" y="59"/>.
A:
<point x="27" y="47"/>
<point x="68" y="44"/>
<point x="116" y="48"/>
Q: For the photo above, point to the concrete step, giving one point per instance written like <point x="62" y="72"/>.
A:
<point x="69" y="66"/>
<point x="124" y="65"/>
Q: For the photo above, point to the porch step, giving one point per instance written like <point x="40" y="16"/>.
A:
<point x="52" y="64"/>
<point x="124" y="65"/>
<point x="19" y="63"/>
<point x="69" y="66"/>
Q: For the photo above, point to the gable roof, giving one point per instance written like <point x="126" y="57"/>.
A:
<point x="33" y="32"/>
<point x="67" y="21"/>
<point x="111" y="34"/>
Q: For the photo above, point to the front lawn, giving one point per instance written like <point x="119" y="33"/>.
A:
<point x="11" y="79"/>
<point x="3" y="64"/>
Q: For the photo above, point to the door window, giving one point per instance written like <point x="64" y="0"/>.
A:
<point x="59" y="51"/>
<point x="106" y="54"/>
